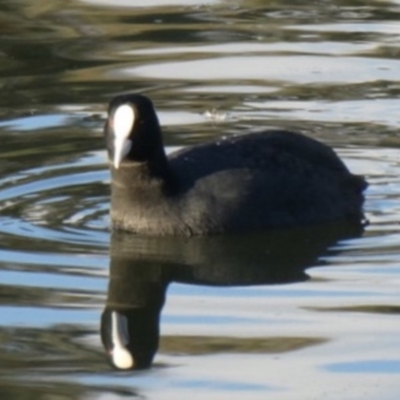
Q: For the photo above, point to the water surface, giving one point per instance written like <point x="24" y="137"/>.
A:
<point x="328" y="329"/>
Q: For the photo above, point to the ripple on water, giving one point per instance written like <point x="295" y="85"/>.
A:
<point x="66" y="203"/>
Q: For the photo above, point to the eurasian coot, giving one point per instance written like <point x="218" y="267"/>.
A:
<point x="250" y="182"/>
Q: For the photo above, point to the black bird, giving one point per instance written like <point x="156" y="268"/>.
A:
<point x="243" y="183"/>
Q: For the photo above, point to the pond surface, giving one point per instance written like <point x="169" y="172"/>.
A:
<point x="324" y="326"/>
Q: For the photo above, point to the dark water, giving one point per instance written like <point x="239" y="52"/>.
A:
<point x="328" y="68"/>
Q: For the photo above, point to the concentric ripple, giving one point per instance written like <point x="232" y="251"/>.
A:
<point x="64" y="203"/>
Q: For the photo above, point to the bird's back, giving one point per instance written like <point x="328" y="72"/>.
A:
<point x="263" y="180"/>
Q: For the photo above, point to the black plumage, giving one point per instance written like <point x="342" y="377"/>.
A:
<point x="241" y="183"/>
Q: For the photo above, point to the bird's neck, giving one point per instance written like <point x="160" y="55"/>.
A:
<point x="138" y="193"/>
<point x="137" y="180"/>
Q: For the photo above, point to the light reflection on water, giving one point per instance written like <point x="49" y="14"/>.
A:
<point x="302" y="70"/>
<point x="212" y="69"/>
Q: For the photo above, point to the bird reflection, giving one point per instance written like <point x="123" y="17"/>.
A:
<point x="142" y="267"/>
